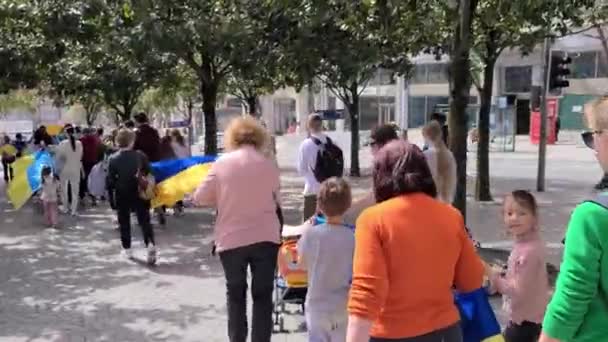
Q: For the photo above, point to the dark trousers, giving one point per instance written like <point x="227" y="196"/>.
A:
<point x="262" y="259"/>
<point x="8" y="171"/>
<point x="310" y="207"/>
<point x="524" y="332"/>
<point x="125" y="205"/>
<point x="452" y="333"/>
<point x="84" y="185"/>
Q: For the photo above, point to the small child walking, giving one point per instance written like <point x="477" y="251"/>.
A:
<point x="49" y="195"/>
<point x="525" y="285"/>
<point x="326" y="251"/>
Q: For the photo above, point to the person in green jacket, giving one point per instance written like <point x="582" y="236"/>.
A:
<point x="578" y="311"/>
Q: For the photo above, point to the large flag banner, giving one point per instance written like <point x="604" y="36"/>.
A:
<point x="178" y="177"/>
<point x="27" y="181"/>
<point x="478" y="321"/>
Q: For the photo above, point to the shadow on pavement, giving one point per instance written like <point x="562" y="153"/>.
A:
<point x="71" y="284"/>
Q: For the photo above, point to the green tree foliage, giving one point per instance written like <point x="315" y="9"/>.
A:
<point x="343" y="43"/>
<point x="28" y="41"/>
<point x="500" y="25"/>
<point x="211" y="38"/>
<point x="108" y="61"/>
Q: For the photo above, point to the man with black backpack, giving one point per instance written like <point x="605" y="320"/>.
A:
<point x="319" y="159"/>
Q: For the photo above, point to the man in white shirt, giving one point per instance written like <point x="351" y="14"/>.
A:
<point x="307" y="160"/>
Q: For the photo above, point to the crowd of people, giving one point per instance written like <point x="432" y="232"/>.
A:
<point x="119" y="158"/>
<point x="365" y="286"/>
<point x="394" y="277"/>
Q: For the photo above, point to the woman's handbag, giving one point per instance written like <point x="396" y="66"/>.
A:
<point x="145" y="183"/>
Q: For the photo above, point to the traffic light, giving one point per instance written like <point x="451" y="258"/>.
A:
<point x="558" y="72"/>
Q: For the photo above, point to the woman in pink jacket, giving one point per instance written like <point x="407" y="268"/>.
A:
<point x="243" y="185"/>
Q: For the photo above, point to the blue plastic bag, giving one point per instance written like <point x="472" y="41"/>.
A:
<point x="477" y="318"/>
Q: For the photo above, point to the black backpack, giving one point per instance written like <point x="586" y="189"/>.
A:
<point x="330" y="160"/>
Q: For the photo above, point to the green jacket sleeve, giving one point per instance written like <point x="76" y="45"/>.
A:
<point x="579" y="274"/>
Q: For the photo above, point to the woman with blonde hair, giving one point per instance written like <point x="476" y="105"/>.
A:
<point x="243" y="185"/>
<point x="441" y="162"/>
<point x="579" y="310"/>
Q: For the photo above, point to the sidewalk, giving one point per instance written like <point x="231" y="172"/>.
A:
<point x="70" y="284"/>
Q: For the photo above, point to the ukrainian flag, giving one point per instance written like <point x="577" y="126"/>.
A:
<point x="478" y="321"/>
<point x="178" y="177"/>
<point x="27" y="181"/>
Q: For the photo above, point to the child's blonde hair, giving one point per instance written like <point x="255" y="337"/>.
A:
<point x="334" y="197"/>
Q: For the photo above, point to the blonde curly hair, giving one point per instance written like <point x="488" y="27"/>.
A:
<point x="245" y="131"/>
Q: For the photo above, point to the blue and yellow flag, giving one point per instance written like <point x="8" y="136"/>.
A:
<point x="478" y="321"/>
<point x="178" y="177"/>
<point x="27" y="181"/>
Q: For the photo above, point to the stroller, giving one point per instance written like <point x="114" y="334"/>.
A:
<point x="291" y="281"/>
<point x="291" y="284"/>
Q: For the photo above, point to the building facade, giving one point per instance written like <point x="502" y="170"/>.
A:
<point x="410" y="102"/>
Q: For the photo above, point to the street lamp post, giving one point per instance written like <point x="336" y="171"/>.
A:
<point x="542" y="145"/>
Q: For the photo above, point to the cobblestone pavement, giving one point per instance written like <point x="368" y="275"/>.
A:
<point x="71" y="285"/>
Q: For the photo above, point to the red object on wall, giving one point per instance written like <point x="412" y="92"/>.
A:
<point x="552" y="112"/>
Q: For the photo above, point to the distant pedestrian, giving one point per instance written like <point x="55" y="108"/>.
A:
<point x="42" y="138"/>
<point x="8" y="153"/>
<point x="147" y="139"/>
<point x="69" y="155"/>
<point x="441" y="162"/>
<point x="525" y="287"/>
<point x="166" y="151"/>
<point x="129" y="124"/>
<point x="126" y="169"/>
<point x="91" y="145"/>
<point x="50" y="187"/>
<point x="442" y="119"/>
<point x="326" y="252"/>
<point x="20" y="145"/>
<point x="318" y="159"/>
<point x="180" y="148"/>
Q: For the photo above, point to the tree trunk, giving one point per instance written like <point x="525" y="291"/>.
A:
<point x="90" y="118"/>
<point x="252" y="105"/>
<point x="124" y="115"/>
<point x="482" y="185"/>
<point x="353" y="110"/>
<point x="190" y="113"/>
<point x="127" y="110"/>
<point x="311" y="98"/>
<point x="460" y="86"/>
<point x="603" y="40"/>
<point x="209" y="94"/>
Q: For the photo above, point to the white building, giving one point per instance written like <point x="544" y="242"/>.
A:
<point x="427" y="89"/>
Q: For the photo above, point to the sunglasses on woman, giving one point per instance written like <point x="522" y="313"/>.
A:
<point x="588" y="138"/>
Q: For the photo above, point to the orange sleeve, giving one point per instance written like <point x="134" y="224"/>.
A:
<point x="370" y="276"/>
<point x="469" y="272"/>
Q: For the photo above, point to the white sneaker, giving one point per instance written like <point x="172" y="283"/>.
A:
<point x="151" y="255"/>
<point x="64" y="209"/>
<point x="127" y="254"/>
